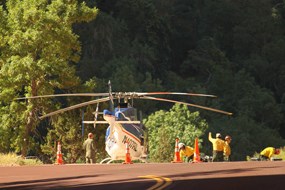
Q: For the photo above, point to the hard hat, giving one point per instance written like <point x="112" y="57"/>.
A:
<point x="180" y="145"/>
<point x="90" y="135"/>
<point x="218" y="135"/>
<point x="277" y="151"/>
<point x="228" y="137"/>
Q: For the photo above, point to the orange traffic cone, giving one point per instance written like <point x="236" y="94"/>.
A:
<point x="177" y="158"/>
<point x="59" y="160"/>
<point x="128" y="159"/>
<point x="196" y="152"/>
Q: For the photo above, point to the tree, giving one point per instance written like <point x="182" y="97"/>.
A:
<point x="39" y="58"/>
<point x="164" y="126"/>
<point x="67" y="131"/>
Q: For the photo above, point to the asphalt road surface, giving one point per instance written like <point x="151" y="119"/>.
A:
<point x="193" y="176"/>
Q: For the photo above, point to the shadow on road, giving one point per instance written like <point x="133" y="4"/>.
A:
<point x="31" y="184"/>
<point x="272" y="182"/>
<point x="224" y="171"/>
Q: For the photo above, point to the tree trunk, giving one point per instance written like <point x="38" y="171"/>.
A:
<point x="30" y="121"/>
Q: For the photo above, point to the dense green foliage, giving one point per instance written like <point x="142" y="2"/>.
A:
<point x="163" y="127"/>
<point x="38" y="50"/>
<point x="231" y="48"/>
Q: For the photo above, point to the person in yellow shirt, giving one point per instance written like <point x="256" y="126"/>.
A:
<point x="186" y="152"/>
<point x="268" y="153"/>
<point x="227" y="148"/>
<point x="218" y="147"/>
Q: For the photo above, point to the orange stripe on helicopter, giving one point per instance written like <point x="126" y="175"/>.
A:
<point x="125" y="131"/>
<point x="130" y="134"/>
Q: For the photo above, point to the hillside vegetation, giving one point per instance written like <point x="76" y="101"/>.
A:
<point x="230" y="48"/>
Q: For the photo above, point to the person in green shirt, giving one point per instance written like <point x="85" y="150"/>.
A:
<point x="186" y="152"/>
<point x="89" y="147"/>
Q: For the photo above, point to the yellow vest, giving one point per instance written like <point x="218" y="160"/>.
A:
<point x="227" y="149"/>
<point x="188" y="151"/>
<point x="218" y="144"/>
<point x="268" y="152"/>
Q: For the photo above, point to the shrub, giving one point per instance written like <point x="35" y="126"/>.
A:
<point x="11" y="159"/>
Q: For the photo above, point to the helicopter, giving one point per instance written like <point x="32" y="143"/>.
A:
<point x="124" y="126"/>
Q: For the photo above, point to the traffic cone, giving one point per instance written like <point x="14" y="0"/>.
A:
<point x="59" y="160"/>
<point x="196" y="152"/>
<point x="128" y="159"/>
<point x="177" y="158"/>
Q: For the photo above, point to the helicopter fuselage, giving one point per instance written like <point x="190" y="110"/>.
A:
<point x="123" y="129"/>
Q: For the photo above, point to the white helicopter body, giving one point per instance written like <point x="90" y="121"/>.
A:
<point x="124" y="128"/>
<point x="119" y="133"/>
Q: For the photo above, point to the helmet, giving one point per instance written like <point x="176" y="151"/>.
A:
<point x="218" y="135"/>
<point x="228" y="137"/>
<point x="90" y="135"/>
<point x="180" y="145"/>
<point x="277" y="151"/>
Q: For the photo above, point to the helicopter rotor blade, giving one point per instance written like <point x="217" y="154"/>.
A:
<point x="76" y="106"/>
<point x="175" y="93"/>
<point x="62" y="95"/>
<point x="193" y="105"/>
<point x="96" y="112"/>
<point x="96" y="115"/>
<point x="116" y="94"/>
<point x="110" y="93"/>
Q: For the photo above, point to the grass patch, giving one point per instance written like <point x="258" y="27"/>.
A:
<point x="12" y="159"/>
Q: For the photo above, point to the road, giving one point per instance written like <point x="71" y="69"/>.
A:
<point x="151" y="176"/>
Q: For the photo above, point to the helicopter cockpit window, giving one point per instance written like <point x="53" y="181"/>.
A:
<point x="126" y="114"/>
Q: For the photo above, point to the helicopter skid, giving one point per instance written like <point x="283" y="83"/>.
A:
<point x="109" y="160"/>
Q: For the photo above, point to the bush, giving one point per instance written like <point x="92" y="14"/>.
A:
<point x="12" y="159"/>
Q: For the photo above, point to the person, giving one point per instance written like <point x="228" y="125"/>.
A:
<point x="267" y="153"/>
<point x="186" y="152"/>
<point x="89" y="147"/>
<point x="218" y="147"/>
<point x="227" y="148"/>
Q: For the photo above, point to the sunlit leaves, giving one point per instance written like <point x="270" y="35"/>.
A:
<point x="164" y="126"/>
<point x="38" y="46"/>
